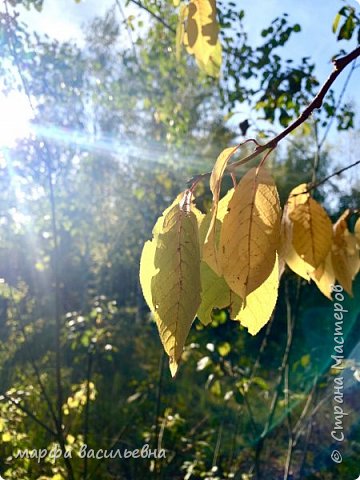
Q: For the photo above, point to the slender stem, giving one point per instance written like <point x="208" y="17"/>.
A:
<point x="316" y="164"/>
<point x="290" y="448"/>
<point x="153" y="14"/>
<point x="32" y="359"/>
<point x="334" y="174"/>
<point x="121" y="10"/>
<point x="353" y="67"/>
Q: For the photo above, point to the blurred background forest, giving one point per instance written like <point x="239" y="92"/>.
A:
<point x="97" y="137"/>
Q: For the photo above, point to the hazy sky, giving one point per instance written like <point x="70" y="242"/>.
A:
<point x="64" y="19"/>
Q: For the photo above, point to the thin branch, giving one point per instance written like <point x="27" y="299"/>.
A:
<point x="87" y="406"/>
<point x="30" y="414"/>
<point x="342" y="93"/>
<point x="334" y="174"/>
<point x="316" y="103"/>
<point x="153" y="14"/>
<point x="32" y="359"/>
<point x="290" y="449"/>
<point x="121" y="10"/>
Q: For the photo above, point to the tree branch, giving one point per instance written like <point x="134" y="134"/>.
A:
<point x="153" y="14"/>
<point x="339" y="65"/>
<point x="334" y="174"/>
<point x="29" y="414"/>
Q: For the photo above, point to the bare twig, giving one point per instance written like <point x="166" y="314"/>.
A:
<point x="334" y="174"/>
<point x="153" y="14"/>
<point x="87" y="406"/>
<point x="342" y="93"/>
<point x="122" y="13"/>
<point x="32" y="359"/>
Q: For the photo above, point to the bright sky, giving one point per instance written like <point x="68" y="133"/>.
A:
<point x="65" y="19"/>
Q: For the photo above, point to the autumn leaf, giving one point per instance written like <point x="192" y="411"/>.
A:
<point x="180" y="29"/>
<point x="344" y="253"/>
<point x="201" y="36"/>
<point x="250" y="233"/>
<point x="215" y="293"/>
<point x="357" y="232"/>
<point x="210" y="247"/>
<point x="170" y="274"/>
<point x="324" y="277"/>
<point x="260" y="303"/>
<point x="287" y="253"/>
<point x="311" y="232"/>
<point x="213" y="66"/>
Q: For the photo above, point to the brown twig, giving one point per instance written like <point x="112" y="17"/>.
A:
<point x="316" y="103"/>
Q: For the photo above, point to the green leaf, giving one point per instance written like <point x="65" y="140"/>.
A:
<point x="215" y="293"/>
<point x="347" y="28"/>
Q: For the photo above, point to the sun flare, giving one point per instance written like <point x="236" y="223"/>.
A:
<point x="15" y="115"/>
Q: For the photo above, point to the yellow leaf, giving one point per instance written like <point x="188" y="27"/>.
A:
<point x="170" y="276"/>
<point x="311" y="232"/>
<point x="250" y="233"/>
<point x="201" y="37"/>
<point x="287" y="252"/>
<point x="324" y="277"/>
<point x="344" y="254"/>
<point x="176" y="3"/>
<point x="213" y="66"/>
<point x="215" y="293"/>
<point x="210" y="247"/>
<point x="298" y="265"/>
<point x="357" y="232"/>
<point x="148" y="271"/>
<point x="147" y="266"/>
<point x="260" y="303"/>
<point x="180" y="29"/>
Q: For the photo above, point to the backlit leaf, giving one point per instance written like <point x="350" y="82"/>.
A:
<point x="260" y="303"/>
<point x="311" y="232"/>
<point x="215" y="293"/>
<point x="174" y="276"/>
<point x="298" y="196"/>
<point x="213" y="66"/>
<point x="357" y="232"/>
<point x="201" y="37"/>
<point x="250" y="233"/>
<point x="324" y="277"/>
<point x="180" y="29"/>
<point x="210" y="247"/>
<point x="344" y="253"/>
